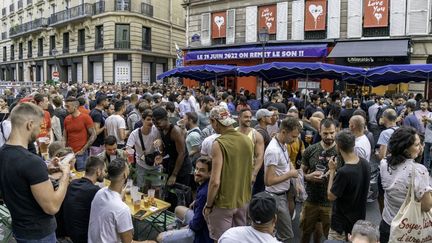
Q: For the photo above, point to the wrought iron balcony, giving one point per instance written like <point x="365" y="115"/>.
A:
<point x="98" y="45"/>
<point x="29" y="2"/>
<point x="28" y="27"/>
<point x="3" y="12"/>
<point x="125" y="6"/>
<point x="40" y="53"/>
<point x="20" y="4"/>
<point x="65" y="50"/>
<point x="146" y="47"/>
<point x="99" y="7"/>
<point x="122" y="44"/>
<point x="81" y="48"/>
<point x="77" y="13"/>
<point x="147" y="9"/>
<point x="4" y="35"/>
<point x="30" y="54"/>
<point x="11" y="8"/>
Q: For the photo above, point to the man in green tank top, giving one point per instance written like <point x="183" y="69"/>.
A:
<point x="230" y="185"/>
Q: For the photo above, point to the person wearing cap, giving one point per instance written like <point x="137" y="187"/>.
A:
<point x="363" y="231"/>
<point x="245" y="118"/>
<point x="262" y="212"/>
<point x="278" y="172"/>
<point x="230" y="188"/>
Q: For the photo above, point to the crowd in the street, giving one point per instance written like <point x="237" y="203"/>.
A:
<point x="239" y="169"/>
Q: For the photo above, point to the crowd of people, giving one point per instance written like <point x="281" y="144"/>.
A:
<point x="247" y="167"/>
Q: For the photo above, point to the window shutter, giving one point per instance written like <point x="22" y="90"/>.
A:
<point x="397" y="17"/>
<point x="418" y="17"/>
<point x="205" y="29"/>
<point x="333" y="15"/>
<point x="282" y="21"/>
<point x="297" y="31"/>
<point x="230" y="27"/>
<point x="251" y="24"/>
<point x="355" y="19"/>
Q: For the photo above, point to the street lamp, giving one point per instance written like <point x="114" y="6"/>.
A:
<point x="263" y="38"/>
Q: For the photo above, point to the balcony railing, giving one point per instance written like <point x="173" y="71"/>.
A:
<point x="28" y="27"/>
<point x="20" y="4"/>
<point x="65" y="50"/>
<point x="29" y="2"/>
<point x="75" y="13"/>
<point x="81" y="48"/>
<point x="125" y="6"/>
<point x="146" y="47"/>
<point x="99" y="7"/>
<point x="30" y="54"/>
<point x="12" y="57"/>
<point x="3" y="12"/>
<point x="147" y="9"/>
<point x="20" y="55"/>
<point x="11" y="8"/>
<point x="122" y="44"/>
<point x="40" y="53"/>
<point x="4" y="35"/>
<point x="98" y="45"/>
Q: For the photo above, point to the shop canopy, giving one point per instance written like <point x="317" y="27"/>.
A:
<point x="200" y="72"/>
<point x="378" y="48"/>
<point x="394" y="74"/>
<point x="281" y="71"/>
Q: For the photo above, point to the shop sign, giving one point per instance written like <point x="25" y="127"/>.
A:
<point x="293" y="51"/>
<point x="370" y="59"/>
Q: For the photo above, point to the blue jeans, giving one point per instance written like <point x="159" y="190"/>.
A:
<point x="80" y="163"/>
<point x="51" y="238"/>
<point x="427" y="156"/>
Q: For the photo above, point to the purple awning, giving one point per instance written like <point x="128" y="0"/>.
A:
<point x="286" y="51"/>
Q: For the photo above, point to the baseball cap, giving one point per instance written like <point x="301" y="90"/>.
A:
<point x="222" y="115"/>
<point x="262" y="207"/>
<point x="263" y="113"/>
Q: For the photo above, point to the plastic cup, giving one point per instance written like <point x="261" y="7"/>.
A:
<point x="151" y="195"/>
<point x="130" y="155"/>
<point x="320" y="168"/>
<point x="43" y="144"/>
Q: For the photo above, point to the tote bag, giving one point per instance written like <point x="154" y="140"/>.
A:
<point x="411" y="224"/>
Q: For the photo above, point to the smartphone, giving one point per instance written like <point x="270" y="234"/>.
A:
<point x="140" y="214"/>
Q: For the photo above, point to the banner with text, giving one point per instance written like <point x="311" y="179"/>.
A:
<point x="289" y="51"/>
<point x="315" y="15"/>
<point x="267" y="18"/>
<point x="375" y="13"/>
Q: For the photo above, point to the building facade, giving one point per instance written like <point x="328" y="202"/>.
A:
<point x="364" y="33"/>
<point x="91" y="41"/>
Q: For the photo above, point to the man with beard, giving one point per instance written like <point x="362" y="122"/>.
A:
<point x="77" y="203"/>
<point x="264" y="118"/>
<point x="79" y="132"/>
<point x="27" y="190"/>
<point x="99" y="123"/>
<point x="203" y="114"/>
<point x="245" y="118"/>
<point x="315" y="165"/>
<point x="111" y="151"/>
<point x="193" y="136"/>
<point x="356" y="103"/>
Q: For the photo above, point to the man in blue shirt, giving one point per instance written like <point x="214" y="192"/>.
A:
<point x="195" y="229"/>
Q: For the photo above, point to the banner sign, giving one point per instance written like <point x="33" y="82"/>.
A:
<point x="218" y="25"/>
<point x="315" y="15"/>
<point x="267" y="18"/>
<point x="288" y="51"/>
<point x="375" y="13"/>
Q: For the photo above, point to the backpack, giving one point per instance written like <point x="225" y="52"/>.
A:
<point x="129" y="121"/>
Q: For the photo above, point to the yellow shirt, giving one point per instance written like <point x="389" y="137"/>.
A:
<point x="293" y="149"/>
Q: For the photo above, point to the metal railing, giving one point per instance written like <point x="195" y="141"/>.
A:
<point x="81" y="48"/>
<point x="30" y="53"/>
<point x="12" y="57"/>
<point x="20" y="4"/>
<point x="20" y="55"/>
<point x="82" y="10"/>
<point x="4" y="35"/>
<point x="99" y="7"/>
<point x="98" y="45"/>
<point x="122" y="44"/>
<point x="147" y="9"/>
<point x="40" y="53"/>
<point x="65" y="50"/>
<point x="28" y="27"/>
<point x="3" y="12"/>
<point x="29" y="2"/>
<point x="11" y="8"/>
<point x="125" y="6"/>
<point x="146" y="47"/>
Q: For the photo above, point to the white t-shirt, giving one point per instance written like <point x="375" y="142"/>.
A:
<point x="223" y="104"/>
<point x="362" y="147"/>
<point x="272" y="129"/>
<point x="113" y="124"/>
<point x="396" y="183"/>
<point x="206" y="146"/>
<point x="5" y="132"/>
<point x="134" y="141"/>
<point x="109" y="216"/>
<point x="246" y="234"/>
<point x="275" y="155"/>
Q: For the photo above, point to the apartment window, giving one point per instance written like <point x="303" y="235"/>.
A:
<point x="40" y="47"/>
<point x="29" y="48"/>
<point x="4" y="53"/>
<point x="81" y="40"/>
<point x="66" y="42"/>
<point x="20" y="51"/>
<point x="122" y="40"/>
<point x="123" y="5"/>
<point x="52" y="44"/>
<point x="12" y="50"/>
<point x="99" y="37"/>
<point x="146" y="38"/>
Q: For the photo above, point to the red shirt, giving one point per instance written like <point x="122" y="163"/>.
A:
<point x="45" y="126"/>
<point x="82" y="109"/>
<point x="76" y="130"/>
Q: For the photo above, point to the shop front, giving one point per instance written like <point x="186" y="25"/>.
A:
<point x="369" y="54"/>
<point x="253" y="55"/>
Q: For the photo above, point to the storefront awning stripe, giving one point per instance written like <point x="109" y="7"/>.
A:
<point x="379" y="48"/>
